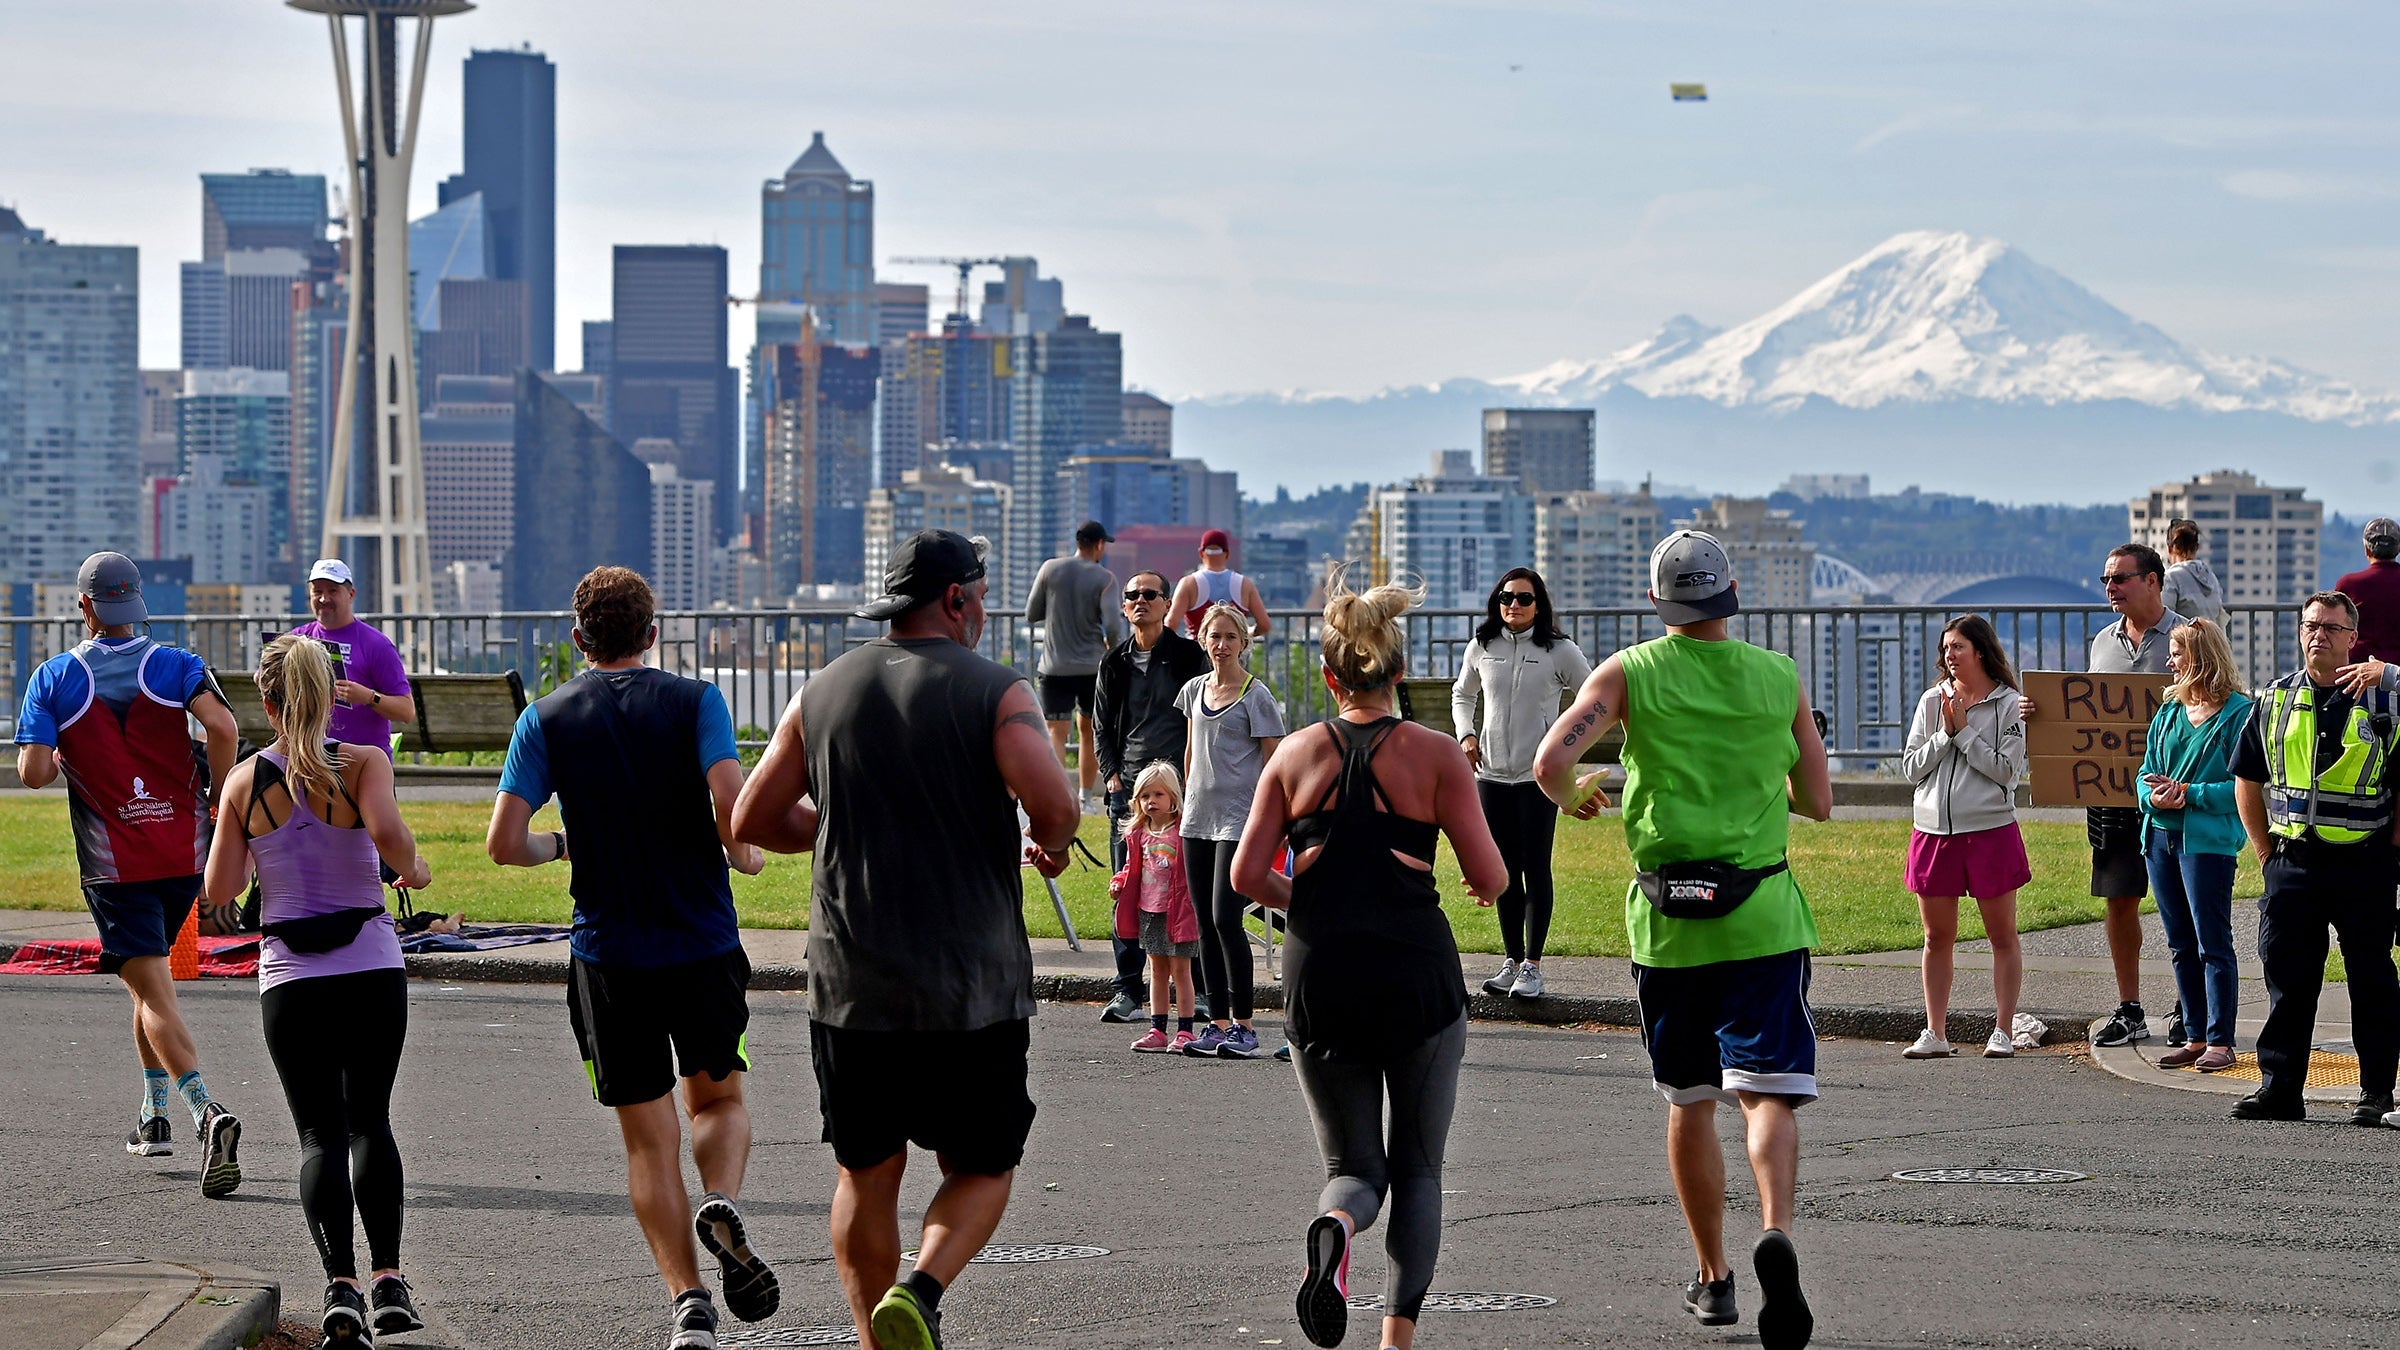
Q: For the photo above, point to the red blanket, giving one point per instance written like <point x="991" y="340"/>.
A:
<point x="231" y="957"/>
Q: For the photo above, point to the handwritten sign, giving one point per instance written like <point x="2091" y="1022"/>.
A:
<point x="2086" y="738"/>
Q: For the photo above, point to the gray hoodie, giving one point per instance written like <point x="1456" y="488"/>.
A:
<point x="1520" y="681"/>
<point x="2193" y="591"/>
<point x="1967" y="781"/>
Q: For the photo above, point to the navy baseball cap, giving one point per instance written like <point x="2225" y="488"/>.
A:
<point x="114" y="586"/>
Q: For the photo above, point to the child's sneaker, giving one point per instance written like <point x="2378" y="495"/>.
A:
<point x="1182" y="1043"/>
<point x="1154" y="1042"/>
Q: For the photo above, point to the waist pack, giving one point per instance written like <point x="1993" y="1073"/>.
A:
<point x="322" y="932"/>
<point x="1704" y="888"/>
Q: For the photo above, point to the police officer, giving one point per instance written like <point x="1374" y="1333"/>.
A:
<point x="2316" y="798"/>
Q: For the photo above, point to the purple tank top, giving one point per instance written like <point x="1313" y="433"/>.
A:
<point x="308" y="867"/>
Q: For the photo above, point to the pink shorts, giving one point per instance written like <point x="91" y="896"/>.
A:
<point x="1984" y="864"/>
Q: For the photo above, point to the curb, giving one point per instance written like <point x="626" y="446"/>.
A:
<point x="2128" y="1063"/>
<point x="242" y="1324"/>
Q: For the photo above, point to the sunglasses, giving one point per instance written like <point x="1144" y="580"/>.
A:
<point x="1138" y="596"/>
<point x="1516" y="597"/>
<point x="2120" y="578"/>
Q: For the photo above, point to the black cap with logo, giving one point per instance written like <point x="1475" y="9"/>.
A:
<point x="925" y="564"/>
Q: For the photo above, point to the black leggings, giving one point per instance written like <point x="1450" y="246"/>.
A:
<point x="1224" y="943"/>
<point x="1523" y="822"/>
<point x="336" y="1040"/>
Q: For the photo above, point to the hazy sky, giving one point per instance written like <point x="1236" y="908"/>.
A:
<point x="1342" y="194"/>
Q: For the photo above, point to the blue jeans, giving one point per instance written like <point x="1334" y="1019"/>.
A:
<point x="2195" y="906"/>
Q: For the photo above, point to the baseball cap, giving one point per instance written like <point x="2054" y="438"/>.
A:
<point x="925" y="564"/>
<point x="2381" y="530"/>
<point x="1092" y="532"/>
<point x="331" y="569"/>
<point x="1216" y="539"/>
<point x="114" y="586"/>
<point x="1690" y="581"/>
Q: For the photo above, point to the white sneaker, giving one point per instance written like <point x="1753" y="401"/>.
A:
<point x="1499" y="984"/>
<point x="2000" y="1046"/>
<point x="1929" y="1046"/>
<point x="1529" y="982"/>
<point x="2392" y="1118"/>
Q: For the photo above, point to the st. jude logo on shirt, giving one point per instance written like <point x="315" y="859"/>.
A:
<point x="142" y="806"/>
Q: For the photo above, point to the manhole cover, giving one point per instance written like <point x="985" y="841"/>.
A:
<point x="1009" y="1254"/>
<point x="1990" y="1176"/>
<point x="780" y="1336"/>
<point x="1439" y="1302"/>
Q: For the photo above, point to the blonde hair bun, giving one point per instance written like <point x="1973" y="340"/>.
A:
<point x="1365" y="644"/>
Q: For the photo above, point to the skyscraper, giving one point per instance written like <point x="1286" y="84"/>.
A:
<point x="1068" y="390"/>
<point x="237" y="309"/>
<point x="452" y="242"/>
<point x="953" y="386"/>
<point x="1454" y="529"/>
<point x="1149" y="420"/>
<point x="668" y="375"/>
<point x="70" y="402"/>
<point x="901" y="308"/>
<point x="483" y="332"/>
<point x="817" y="245"/>
<point x="581" y="500"/>
<point x="1546" y="450"/>
<point x="681" y="548"/>
<point x="221" y="525"/>
<point x="264" y="208"/>
<point x="820" y="439"/>
<point x="239" y="421"/>
<point x="512" y="159"/>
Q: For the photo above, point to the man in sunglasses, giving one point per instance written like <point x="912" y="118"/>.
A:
<point x="1134" y="722"/>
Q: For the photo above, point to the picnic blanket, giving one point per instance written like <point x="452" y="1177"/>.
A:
<point x="485" y="937"/>
<point x="234" y="957"/>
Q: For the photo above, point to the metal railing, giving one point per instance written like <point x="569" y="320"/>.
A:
<point x="1863" y="665"/>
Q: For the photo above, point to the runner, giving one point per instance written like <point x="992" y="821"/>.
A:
<point x="110" y="716"/>
<point x="1719" y="748"/>
<point x="907" y="750"/>
<point x="1070" y="600"/>
<point x="1215" y="582"/>
<point x="1378" y="1011"/>
<point x="645" y="769"/>
<point x="1235" y="727"/>
<point x="313" y="816"/>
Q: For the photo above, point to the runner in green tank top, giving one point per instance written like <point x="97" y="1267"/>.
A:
<point x="1720" y="750"/>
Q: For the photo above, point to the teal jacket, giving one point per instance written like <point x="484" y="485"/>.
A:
<point x="2201" y="757"/>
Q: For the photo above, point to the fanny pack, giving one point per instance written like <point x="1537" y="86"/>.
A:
<point x="321" y="932"/>
<point x="1704" y="888"/>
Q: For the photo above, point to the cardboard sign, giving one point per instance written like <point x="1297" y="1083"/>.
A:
<point x="2086" y="738"/>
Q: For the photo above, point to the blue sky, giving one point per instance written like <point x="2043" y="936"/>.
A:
<point x="1331" y="195"/>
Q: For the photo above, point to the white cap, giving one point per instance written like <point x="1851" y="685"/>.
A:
<point x="331" y="569"/>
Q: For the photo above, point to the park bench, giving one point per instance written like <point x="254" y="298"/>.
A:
<point x="454" y="712"/>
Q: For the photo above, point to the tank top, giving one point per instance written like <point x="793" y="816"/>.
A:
<point x="306" y="868"/>
<point x="1370" y="967"/>
<point x="1210" y="588"/>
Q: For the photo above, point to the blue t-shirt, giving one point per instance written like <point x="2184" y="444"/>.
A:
<point x="526" y="772"/>
<point x="61" y="689"/>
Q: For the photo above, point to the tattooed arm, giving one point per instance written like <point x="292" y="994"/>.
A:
<point x="1598" y="705"/>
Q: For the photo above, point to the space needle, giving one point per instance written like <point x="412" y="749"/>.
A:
<point x="375" y="482"/>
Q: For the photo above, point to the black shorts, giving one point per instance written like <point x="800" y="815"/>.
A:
<point x="1717" y="1030"/>
<point x="959" y="1093"/>
<point x="639" y="1026"/>
<point x="2118" y="867"/>
<point x="138" y="918"/>
<point x="1064" y="695"/>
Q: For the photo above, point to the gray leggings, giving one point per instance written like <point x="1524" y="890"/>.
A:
<point x="1346" y="1102"/>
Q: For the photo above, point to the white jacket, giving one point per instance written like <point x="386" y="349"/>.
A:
<point x="1520" y="681"/>
<point x="1967" y="781"/>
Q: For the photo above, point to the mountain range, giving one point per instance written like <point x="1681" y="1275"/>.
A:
<point x="1941" y="359"/>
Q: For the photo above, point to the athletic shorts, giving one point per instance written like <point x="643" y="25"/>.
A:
<point x="1734" y="1026"/>
<point x="138" y="918"/>
<point x="638" y="1027"/>
<point x="960" y="1094"/>
<point x="1064" y="695"/>
<point x="2118" y="867"/>
<point x="1982" y="863"/>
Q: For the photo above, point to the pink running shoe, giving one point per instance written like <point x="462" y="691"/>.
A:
<point x="1154" y="1042"/>
<point x="1182" y="1039"/>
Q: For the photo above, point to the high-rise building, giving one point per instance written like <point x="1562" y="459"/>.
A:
<point x="1206" y="496"/>
<point x="511" y="135"/>
<point x="483" y="332"/>
<point x="1023" y="302"/>
<point x="581" y="500"/>
<point x="320" y="328"/>
<point x="668" y="371"/>
<point x="1772" y="563"/>
<point x="820" y="447"/>
<point x="1149" y="420"/>
<point x="599" y="346"/>
<point x="2260" y="540"/>
<point x="1545" y="449"/>
<point x="951" y="386"/>
<point x="817" y="245"/>
<point x="241" y="421"/>
<point x="1119" y="485"/>
<point x="682" y="538"/>
<point x="470" y="469"/>
<point x="1457" y="533"/>
<point x="160" y="389"/>
<point x="776" y="322"/>
<point x="70" y="402"/>
<point x="1593" y="548"/>
<point x="264" y="208"/>
<point x="937" y="498"/>
<point x="1067" y="390"/>
<point x="1280" y="564"/>
<point x="450" y="243"/>
<point x="901" y="308"/>
<point x="222" y="525"/>
<point x="237" y="309"/>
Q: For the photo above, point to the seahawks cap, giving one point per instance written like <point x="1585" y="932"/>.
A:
<point x="1690" y="581"/>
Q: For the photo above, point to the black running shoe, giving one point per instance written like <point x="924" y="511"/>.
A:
<point x="2371" y="1109"/>
<point x="395" y="1312"/>
<point x="751" y="1292"/>
<point x="695" y="1326"/>
<point x="1710" y="1302"/>
<point x="2128" y="1025"/>
<point x="345" y="1320"/>
<point x="1324" y="1302"/>
<point x="2259" y="1106"/>
<point x="1784" y="1321"/>
<point x="2176" y="1036"/>
<point x="153" y="1138"/>
<point x="220" y="1143"/>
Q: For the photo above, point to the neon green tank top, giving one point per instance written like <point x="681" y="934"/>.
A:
<point x="1708" y="745"/>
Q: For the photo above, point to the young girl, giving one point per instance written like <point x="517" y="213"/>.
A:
<point x="1235" y="727"/>
<point x="1154" y="903"/>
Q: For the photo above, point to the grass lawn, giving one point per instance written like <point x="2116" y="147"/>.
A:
<point x="1849" y="869"/>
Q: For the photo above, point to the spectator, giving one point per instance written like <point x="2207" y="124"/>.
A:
<point x="1070" y="600"/>
<point x="1136" y="722"/>
<point x="370" y="685"/>
<point x="1521" y="664"/>
<point x="1965" y="752"/>
<point x="1235" y="727"/>
<point x="2192" y="589"/>
<point x="2375" y="589"/>
<point x="1216" y="583"/>
<point x="2192" y="836"/>
<point x="1153" y="895"/>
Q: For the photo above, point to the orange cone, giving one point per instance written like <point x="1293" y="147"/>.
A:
<point x="183" y="962"/>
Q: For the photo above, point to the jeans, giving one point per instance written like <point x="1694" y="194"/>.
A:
<point x="2195" y="906"/>
<point x="2309" y="888"/>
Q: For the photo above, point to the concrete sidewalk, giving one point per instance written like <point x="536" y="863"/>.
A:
<point x="82" y="1303"/>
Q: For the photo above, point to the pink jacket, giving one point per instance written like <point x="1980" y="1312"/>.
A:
<point x="1183" y="922"/>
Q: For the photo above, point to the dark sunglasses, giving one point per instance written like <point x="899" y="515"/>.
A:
<point x="2121" y="578"/>
<point x="1516" y="597"/>
<point x="1136" y="597"/>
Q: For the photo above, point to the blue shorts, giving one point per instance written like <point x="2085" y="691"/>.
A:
<point x="1734" y="1026"/>
<point x="138" y="918"/>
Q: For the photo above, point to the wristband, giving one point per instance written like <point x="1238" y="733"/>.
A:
<point x="559" y="837"/>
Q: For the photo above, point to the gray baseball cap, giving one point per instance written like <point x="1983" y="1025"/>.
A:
<point x="1690" y="581"/>
<point x="2381" y="530"/>
<point x="114" y="586"/>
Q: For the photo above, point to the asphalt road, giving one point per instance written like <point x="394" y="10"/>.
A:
<point x="1199" y="1176"/>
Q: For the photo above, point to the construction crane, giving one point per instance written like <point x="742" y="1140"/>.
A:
<point x="964" y="266"/>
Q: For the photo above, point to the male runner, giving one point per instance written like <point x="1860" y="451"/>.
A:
<point x="110" y="715"/>
<point x="1719" y="746"/>
<point x="1214" y="581"/>
<point x="1070" y="599"/>
<point x="646" y="772"/>
<point x="920" y="982"/>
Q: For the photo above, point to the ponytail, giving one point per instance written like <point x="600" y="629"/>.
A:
<point x="294" y="675"/>
<point x="1365" y="646"/>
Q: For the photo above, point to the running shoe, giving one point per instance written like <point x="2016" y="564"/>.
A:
<point x="2216" y="1059"/>
<point x="1324" y="1302"/>
<point x="1999" y="1045"/>
<point x="1929" y="1046"/>
<point x="1182" y="1043"/>
<point x="1500" y="983"/>
<point x="1122" y="1008"/>
<point x="1284" y="1052"/>
<point x="1784" y="1321"/>
<point x="1240" y="1042"/>
<point x="1710" y="1302"/>
<point x="220" y="1143"/>
<point x="1529" y="982"/>
<point x="751" y="1292"/>
<point x="1154" y="1042"/>
<point x="2371" y="1108"/>
<point x="695" y="1325"/>
<point x="1204" y="1046"/>
<point x="2176" y="1034"/>
<point x="153" y="1138"/>
<point x="345" y="1319"/>
<point x="2124" y="1028"/>
<point x="900" y="1322"/>
<point x="394" y="1310"/>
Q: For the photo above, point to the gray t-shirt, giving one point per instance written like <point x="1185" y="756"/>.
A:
<point x="1074" y="600"/>
<point x="2112" y="654"/>
<point x="1226" y="762"/>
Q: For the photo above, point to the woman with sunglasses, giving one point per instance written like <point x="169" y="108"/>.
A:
<point x="1520" y="662"/>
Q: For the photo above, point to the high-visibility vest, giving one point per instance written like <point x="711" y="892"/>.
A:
<point x="2343" y="803"/>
